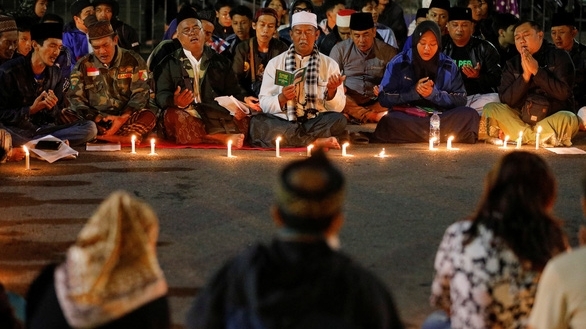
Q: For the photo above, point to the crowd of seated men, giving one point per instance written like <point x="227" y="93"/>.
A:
<point x="85" y="81"/>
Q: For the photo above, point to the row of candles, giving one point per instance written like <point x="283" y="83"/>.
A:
<point x="381" y="154"/>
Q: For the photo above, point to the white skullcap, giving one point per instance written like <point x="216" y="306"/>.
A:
<point x="304" y="17"/>
<point x="343" y="17"/>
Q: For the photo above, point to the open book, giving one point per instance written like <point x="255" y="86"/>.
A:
<point x="284" y="78"/>
<point x="232" y="104"/>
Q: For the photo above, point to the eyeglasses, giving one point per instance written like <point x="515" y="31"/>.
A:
<point x="194" y="30"/>
<point x="299" y="9"/>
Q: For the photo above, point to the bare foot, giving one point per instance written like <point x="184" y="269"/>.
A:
<point x="330" y="142"/>
<point x="237" y="139"/>
<point x="17" y="154"/>
<point x="375" y="116"/>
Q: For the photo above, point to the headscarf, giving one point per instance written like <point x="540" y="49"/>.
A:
<point x="426" y="68"/>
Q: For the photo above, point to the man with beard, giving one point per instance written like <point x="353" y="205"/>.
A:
<point x="31" y="99"/>
<point x="110" y="87"/>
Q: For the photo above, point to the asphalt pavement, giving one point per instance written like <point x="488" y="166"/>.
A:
<point x="210" y="207"/>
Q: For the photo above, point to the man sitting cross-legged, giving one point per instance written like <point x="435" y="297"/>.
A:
<point x="308" y="111"/>
<point x="187" y="82"/>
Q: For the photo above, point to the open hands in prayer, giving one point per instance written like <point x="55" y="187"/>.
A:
<point x="334" y="81"/>
<point x="529" y="64"/>
<point x="182" y="98"/>
<point x="46" y="100"/>
<point x="424" y="87"/>
<point x="471" y="72"/>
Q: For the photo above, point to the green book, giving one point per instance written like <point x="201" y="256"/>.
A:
<point x="284" y="78"/>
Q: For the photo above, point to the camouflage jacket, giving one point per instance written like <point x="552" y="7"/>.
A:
<point x="99" y="89"/>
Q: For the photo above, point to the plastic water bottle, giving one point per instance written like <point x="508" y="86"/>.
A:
<point x="434" y="128"/>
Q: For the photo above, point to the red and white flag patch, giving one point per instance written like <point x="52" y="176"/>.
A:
<point x="93" y="71"/>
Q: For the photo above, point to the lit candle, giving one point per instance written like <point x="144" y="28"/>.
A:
<point x="520" y="139"/>
<point x="537" y="137"/>
<point x="309" y="147"/>
<point x="506" y="141"/>
<point x="344" y="146"/>
<point x="230" y="148"/>
<point x="450" y="139"/>
<point x="153" y="147"/>
<point x="382" y="153"/>
<point x="431" y="142"/>
<point x="27" y="158"/>
<point x="278" y="149"/>
<point x="133" y="144"/>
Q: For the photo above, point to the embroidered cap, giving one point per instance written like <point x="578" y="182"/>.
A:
<point x="343" y="17"/>
<point x="361" y="21"/>
<point x="304" y="17"/>
<point x="98" y="29"/>
<point x="7" y="23"/>
<point x="310" y="193"/>
<point x="112" y="269"/>
<point x="266" y="11"/>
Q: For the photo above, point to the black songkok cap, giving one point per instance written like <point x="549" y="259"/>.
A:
<point x="78" y="6"/>
<point x="361" y="21"/>
<point x="421" y="12"/>
<point x="442" y="4"/>
<point x="310" y="193"/>
<point x="563" y="18"/>
<point x="185" y="13"/>
<point x="44" y="31"/>
<point x="459" y="14"/>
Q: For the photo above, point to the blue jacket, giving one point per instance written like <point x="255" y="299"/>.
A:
<point x="76" y="41"/>
<point x="398" y="84"/>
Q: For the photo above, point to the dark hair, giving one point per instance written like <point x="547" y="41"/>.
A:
<point x="307" y="3"/>
<point x="224" y="3"/>
<point x="242" y="11"/>
<point x="359" y="4"/>
<point x="24" y="23"/>
<point x="534" y="25"/>
<point x="266" y="3"/>
<point x="465" y="3"/>
<point x="330" y="4"/>
<point x="503" y="21"/>
<point x="518" y="192"/>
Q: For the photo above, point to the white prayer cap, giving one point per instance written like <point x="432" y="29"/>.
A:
<point x="304" y="17"/>
<point x="343" y="17"/>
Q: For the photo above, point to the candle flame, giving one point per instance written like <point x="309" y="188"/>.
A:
<point x="279" y="139"/>
<point x="451" y="138"/>
<point x="25" y="150"/>
<point x="539" y="129"/>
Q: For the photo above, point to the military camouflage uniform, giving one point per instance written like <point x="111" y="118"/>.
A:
<point x="97" y="89"/>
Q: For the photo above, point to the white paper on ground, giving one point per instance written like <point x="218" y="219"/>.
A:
<point x="51" y="155"/>
<point x="566" y="150"/>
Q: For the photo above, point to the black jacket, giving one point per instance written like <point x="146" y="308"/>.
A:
<point x="554" y="78"/>
<point x="19" y="91"/>
<point x="483" y="52"/>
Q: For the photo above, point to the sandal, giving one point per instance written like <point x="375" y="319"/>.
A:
<point x="359" y="138"/>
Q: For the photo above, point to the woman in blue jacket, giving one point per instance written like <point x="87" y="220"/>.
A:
<point x="424" y="77"/>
